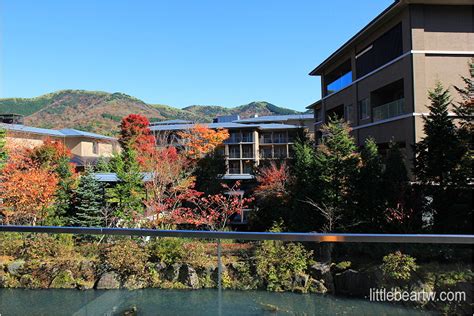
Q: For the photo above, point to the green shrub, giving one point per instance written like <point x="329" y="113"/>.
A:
<point x="11" y="244"/>
<point x="41" y="246"/>
<point x="277" y="262"/>
<point x="343" y="265"/>
<point x="166" y="250"/>
<point x="126" y="257"/>
<point x="398" y="266"/>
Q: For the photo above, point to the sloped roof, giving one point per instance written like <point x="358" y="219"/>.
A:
<point x="170" y="122"/>
<point x="30" y="129"/>
<point x="75" y="133"/>
<point x="275" y="118"/>
<point x="52" y="132"/>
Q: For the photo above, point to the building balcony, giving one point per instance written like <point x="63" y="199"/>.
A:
<point x="388" y="110"/>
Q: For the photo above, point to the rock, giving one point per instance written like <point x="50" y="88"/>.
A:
<point x="15" y="268"/>
<point x="317" y="286"/>
<point x="171" y="272"/>
<point x="188" y="276"/>
<point x="63" y="280"/>
<point x="300" y="280"/>
<point x="322" y="271"/>
<point x="354" y="283"/>
<point x="133" y="283"/>
<point x="82" y="284"/>
<point x="107" y="281"/>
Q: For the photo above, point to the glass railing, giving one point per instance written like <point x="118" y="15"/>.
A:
<point x="339" y="83"/>
<point x="116" y="271"/>
<point x="388" y="110"/>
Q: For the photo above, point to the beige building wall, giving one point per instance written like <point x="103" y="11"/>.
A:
<point x="84" y="147"/>
<point x="27" y="140"/>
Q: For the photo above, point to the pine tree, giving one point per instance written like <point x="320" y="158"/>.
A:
<point x="439" y="152"/>
<point x="88" y="201"/>
<point x="337" y="162"/>
<point x="129" y="190"/>
<point x="395" y="177"/>
<point x="3" y="150"/>
<point x="368" y="193"/>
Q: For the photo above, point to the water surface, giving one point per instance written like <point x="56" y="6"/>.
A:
<point x="186" y="302"/>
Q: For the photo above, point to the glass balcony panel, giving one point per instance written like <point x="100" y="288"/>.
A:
<point x="340" y="83"/>
<point x="388" y="110"/>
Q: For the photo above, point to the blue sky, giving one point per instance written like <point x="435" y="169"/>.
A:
<point x="175" y="52"/>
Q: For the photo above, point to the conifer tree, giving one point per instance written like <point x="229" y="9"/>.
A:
<point x="129" y="190"/>
<point x="368" y="193"/>
<point x="395" y="176"/>
<point x="440" y="150"/>
<point x="337" y="163"/>
<point x="88" y="201"/>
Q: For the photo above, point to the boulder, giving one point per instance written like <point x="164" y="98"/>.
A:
<point x="133" y="283"/>
<point x="15" y="267"/>
<point x="317" y="286"/>
<point x="63" y="280"/>
<point x="171" y="273"/>
<point x="322" y="271"/>
<point x="355" y="283"/>
<point x="188" y="276"/>
<point x="300" y="280"/>
<point x="107" y="281"/>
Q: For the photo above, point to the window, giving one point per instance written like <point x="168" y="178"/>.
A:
<point x="95" y="148"/>
<point x="247" y="137"/>
<point x="279" y="137"/>
<point x="234" y="167"/>
<point x="348" y="113"/>
<point x="317" y="115"/>
<point x="266" y="152"/>
<point x="267" y="138"/>
<point x="234" y="138"/>
<point x="248" y="167"/>
<point x="234" y="151"/>
<point x="364" y="109"/>
<point x="280" y="152"/>
<point x="247" y="151"/>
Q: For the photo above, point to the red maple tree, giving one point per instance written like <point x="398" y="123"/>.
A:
<point x="135" y="134"/>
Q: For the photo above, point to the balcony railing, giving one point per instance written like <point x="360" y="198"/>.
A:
<point x="216" y="263"/>
<point x="389" y="110"/>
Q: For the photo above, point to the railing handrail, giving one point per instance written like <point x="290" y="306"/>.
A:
<point x="291" y="236"/>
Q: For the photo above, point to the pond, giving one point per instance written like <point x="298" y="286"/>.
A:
<point x="185" y="302"/>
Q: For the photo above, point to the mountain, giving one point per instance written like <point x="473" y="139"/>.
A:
<point x="101" y="112"/>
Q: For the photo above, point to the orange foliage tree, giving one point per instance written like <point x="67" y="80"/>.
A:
<point x="27" y="189"/>
<point x="135" y="134"/>
<point x="201" y="140"/>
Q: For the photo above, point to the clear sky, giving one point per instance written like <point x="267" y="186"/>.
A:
<point x="221" y="52"/>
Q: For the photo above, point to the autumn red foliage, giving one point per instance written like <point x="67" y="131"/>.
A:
<point x="27" y="189"/>
<point x="135" y="134"/>
<point x="273" y="181"/>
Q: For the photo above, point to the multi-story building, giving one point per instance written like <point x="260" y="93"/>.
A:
<point x="379" y="79"/>
<point x="251" y="142"/>
<point x="85" y="147"/>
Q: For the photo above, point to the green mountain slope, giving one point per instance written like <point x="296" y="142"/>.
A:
<point x="100" y="112"/>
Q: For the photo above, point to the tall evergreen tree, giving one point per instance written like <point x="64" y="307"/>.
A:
<point x="88" y="201"/>
<point x="395" y="176"/>
<point x="337" y="162"/>
<point x="438" y="161"/>
<point x="368" y="193"/>
<point x="439" y="152"/>
<point x="129" y="191"/>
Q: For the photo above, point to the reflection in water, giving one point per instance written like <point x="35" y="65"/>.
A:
<point x="184" y="302"/>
